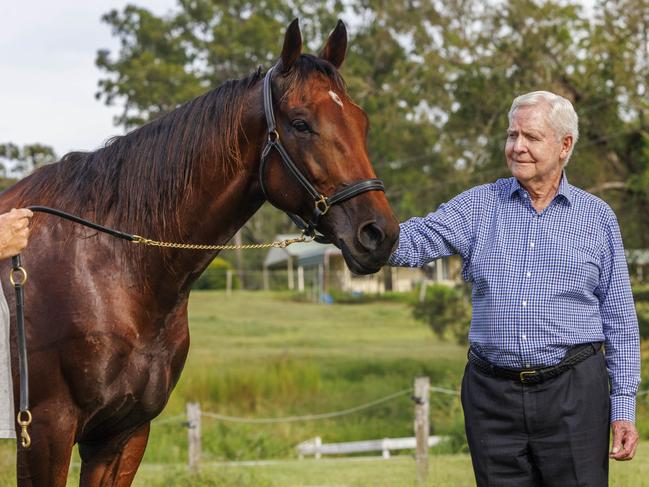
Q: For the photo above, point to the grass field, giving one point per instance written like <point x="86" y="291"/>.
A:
<point x="261" y="355"/>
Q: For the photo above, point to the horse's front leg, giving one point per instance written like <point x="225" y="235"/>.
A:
<point x="47" y="460"/>
<point x="114" y="462"/>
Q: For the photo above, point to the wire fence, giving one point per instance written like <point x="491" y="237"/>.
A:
<point x="182" y="418"/>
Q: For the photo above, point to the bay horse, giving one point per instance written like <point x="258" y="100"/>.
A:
<point x="106" y="320"/>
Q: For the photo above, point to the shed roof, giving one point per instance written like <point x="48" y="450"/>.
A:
<point x="303" y="252"/>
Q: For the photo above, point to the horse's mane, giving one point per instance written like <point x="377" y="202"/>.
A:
<point x="140" y="181"/>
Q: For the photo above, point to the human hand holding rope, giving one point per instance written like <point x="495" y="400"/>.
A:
<point x="14" y="231"/>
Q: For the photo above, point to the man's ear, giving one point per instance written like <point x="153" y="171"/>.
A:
<point x="566" y="145"/>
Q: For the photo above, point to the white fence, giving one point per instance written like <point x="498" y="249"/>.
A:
<point x="316" y="448"/>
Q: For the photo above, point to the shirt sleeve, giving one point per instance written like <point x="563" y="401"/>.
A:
<point x="620" y="325"/>
<point x="444" y="232"/>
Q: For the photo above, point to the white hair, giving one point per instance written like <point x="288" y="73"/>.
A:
<point x="561" y="115"/>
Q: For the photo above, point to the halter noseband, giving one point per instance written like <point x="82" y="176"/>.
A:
<point x="322" y="203"/>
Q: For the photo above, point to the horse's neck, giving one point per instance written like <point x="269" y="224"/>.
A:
<point x="218" y="207"/>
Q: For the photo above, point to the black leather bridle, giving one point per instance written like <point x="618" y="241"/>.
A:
<point x="322" y="203"/>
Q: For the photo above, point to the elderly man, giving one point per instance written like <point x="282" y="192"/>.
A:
<point x="14" y="232"/>
<point x="554" y="346"/>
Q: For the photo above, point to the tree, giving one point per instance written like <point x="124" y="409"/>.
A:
<point x="18" y="162"/>
<point x="167" y="60"/>
<point x="435" y="78"/>
<point x="444" y="309"/>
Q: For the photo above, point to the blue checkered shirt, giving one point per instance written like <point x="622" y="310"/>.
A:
<point x="542" y="282"/>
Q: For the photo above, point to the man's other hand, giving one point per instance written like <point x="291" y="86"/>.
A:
<point x="625" y="440"/>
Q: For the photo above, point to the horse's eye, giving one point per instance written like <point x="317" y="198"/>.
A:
<point x="301" y="126"/>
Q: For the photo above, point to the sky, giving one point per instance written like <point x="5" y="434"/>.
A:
<point x="48" y="77"/>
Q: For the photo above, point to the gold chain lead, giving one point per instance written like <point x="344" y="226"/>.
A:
<point x="279" y="244"/>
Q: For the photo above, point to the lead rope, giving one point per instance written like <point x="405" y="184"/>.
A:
<point x="18" y="278"/>
<point x="281" y="244"/>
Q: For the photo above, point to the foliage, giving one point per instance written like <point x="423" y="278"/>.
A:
<point x="641" y="293"/>
<point x="436" y="79"/>
<point x="166" y="60"/>
<point x="444" y="309"/>
<point x="642" y="309"/>
<point x="641" y="298"/>
<point x="215" y="275"/>
<point x="16" y="161"/>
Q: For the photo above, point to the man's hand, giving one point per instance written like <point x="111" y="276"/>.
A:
<point x="14" y="232"/>
<point x="625" y="440"/>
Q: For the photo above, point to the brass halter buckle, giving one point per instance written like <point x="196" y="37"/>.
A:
<point x="322" y="205"/>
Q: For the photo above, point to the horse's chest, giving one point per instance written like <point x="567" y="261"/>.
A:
<point x="125" y="374"/>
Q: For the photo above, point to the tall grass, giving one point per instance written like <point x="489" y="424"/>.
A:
<point x="261" y="355"/>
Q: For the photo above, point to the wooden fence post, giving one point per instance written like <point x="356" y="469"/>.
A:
<point x="300" y="279"/>
<point x="422" y="290"/>
<point x="228" y="282"/>
<point x="422" y="396"/>
<point x="194" y="435"/>
<point x="265" y="279"/>
<point x="318" y="445"/>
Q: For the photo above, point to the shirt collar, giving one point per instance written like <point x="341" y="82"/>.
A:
<point x="564" y="188"/>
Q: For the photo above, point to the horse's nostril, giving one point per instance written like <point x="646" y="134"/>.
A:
<point x="370" y="235"/>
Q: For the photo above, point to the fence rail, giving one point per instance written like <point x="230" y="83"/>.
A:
<point x="316" y="448"/>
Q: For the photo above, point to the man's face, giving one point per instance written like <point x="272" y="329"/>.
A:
<point x="533" y="152"/>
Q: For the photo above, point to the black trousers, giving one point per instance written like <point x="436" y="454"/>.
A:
<point x="553" y="434"/>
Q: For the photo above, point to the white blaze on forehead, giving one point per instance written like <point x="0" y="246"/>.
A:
<point x="335" y="98"/>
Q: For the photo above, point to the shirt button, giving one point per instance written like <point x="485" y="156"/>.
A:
<point x="524" y="303"/>
<point x="524" y="337"/>
<point x="532" y="244"/>
<point x="527" y="366"/>
<point x="528" y="274"/>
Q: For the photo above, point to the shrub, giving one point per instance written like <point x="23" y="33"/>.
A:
<point x="215" y="275"/>
<point x="444" y="308"/>
<point x="641" y="293"/>
<point x="642" y="308"/>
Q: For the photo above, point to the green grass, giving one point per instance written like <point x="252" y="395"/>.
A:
<point x="265" y="355"/>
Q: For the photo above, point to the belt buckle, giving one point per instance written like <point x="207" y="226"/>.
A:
<point x="526" y="374"/>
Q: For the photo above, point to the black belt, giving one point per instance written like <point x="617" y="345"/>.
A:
<point x="536" y="376"/>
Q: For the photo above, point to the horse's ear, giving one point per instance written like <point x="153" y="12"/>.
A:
<point x="336" y="46"/>
<point x="292" y="45"/>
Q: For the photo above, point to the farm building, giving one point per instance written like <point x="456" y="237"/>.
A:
<point x="305" y="263"/>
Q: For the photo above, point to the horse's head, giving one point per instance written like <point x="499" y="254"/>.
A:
<point x="321" y="151"/>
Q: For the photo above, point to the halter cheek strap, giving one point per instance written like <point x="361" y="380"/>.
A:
<point x="321" y="203"/>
